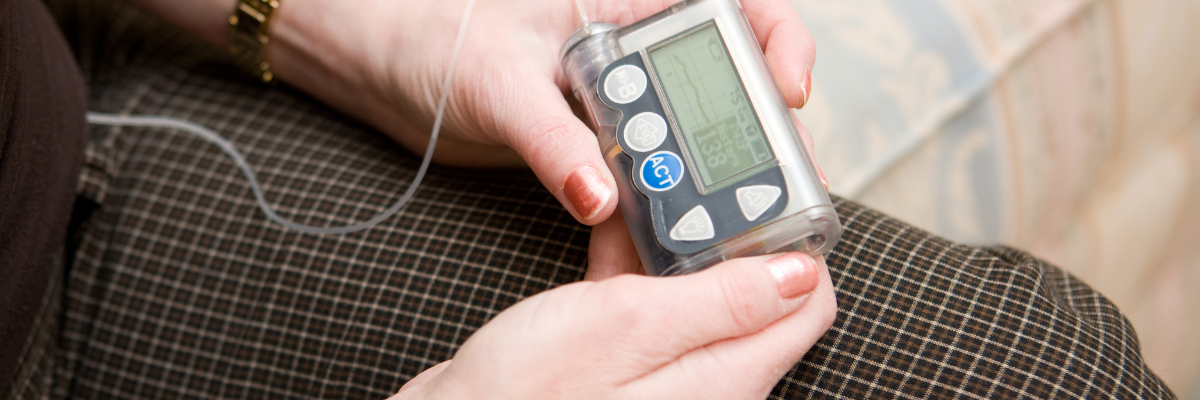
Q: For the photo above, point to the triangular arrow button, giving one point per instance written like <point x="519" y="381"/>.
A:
<point x="696" y="225"/>
<point x="756" y="200"/>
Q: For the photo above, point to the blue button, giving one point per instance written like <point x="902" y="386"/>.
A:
<point x="661" y="171"/>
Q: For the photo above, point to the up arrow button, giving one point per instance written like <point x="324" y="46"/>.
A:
<point x="755" y="200"/>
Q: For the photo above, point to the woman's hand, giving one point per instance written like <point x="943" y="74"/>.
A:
<point x="383" y="61"/>
<point x="729" y="332"/>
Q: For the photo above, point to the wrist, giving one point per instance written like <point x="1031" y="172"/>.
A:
<point x="309" y="39"/>
<point x="318" y="47"/>
<point x="207" y="19"/>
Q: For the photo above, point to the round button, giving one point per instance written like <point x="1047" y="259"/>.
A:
<point x="645" y="131"/>
<point x="661" y="171"/>
<point x="625" y="84"/>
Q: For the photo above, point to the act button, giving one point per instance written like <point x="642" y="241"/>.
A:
<point x="661" y="171"/>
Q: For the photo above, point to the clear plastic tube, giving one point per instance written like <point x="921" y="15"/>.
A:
<point x="228" y="148"/>
<point x="583" y="17"/>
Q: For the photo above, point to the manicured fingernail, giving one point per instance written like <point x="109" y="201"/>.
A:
<point x="795" y="274"/>
<point x="821" y="174"/>
<point x="805" y="86"/>
<point x="587" y="191"/>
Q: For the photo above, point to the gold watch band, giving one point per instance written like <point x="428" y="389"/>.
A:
<point x="248" y="40"/>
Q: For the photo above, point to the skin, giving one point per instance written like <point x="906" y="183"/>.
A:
<point x="726" y="332"/>
<point x="508" y="107"/>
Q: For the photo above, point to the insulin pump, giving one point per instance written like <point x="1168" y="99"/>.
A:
<point x="708" y="160"/>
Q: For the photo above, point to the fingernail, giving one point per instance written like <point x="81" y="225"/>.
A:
<point x="821" y="174"/>
<point x="795" y="274"/>
<point x="805" y="86"/>
<point x="587" y="191"/>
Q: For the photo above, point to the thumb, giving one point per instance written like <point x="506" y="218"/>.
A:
<point x="732" y="299"/>
<point x="562" y="152"/>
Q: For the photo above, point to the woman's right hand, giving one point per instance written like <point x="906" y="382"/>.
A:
<point x="384" y="62"/>
<point x="729" y="332"/>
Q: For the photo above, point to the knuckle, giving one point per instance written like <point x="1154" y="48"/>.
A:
<point x="544" y="136"/>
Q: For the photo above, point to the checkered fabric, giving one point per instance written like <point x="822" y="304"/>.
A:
<point x="35" y="373"/>
<point x="181" y="288"/>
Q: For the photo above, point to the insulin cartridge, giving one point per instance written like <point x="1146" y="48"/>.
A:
<point x="708" y="160"/>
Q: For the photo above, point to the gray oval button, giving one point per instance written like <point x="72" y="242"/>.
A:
<point x="645" y="131"/>
<point x="625" y="84"/>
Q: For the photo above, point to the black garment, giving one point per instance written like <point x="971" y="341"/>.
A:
<point x="41" y="139"/>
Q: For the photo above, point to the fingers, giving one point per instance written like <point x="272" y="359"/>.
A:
<point x="611" y="251"/>
<point x="749" y="366"/>
<point x="561" y="150"/>
<point x="787" y="44"/>
<point x="732" y="299"/>
<point x="806" y="137"/>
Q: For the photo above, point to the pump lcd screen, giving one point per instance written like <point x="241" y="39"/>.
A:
<point x="710" y="106"/>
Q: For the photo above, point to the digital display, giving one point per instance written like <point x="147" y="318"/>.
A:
<point x="710" y="106"/>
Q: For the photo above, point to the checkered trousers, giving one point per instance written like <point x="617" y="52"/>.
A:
<point x="181" y="288"/>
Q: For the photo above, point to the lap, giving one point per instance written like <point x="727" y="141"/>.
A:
<point x="182" y="288"/>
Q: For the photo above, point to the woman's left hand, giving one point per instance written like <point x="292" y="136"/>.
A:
<point x="728" y="332"/>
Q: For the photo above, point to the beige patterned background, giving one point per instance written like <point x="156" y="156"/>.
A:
<point x="1070" y="128"/>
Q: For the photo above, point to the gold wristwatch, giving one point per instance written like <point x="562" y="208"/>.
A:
<point x="248" y="40"/>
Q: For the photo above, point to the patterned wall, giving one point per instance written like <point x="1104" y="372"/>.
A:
<point x="1070" y="128"/>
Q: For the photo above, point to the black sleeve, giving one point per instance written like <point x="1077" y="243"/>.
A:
<point x="41" y="138"/>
